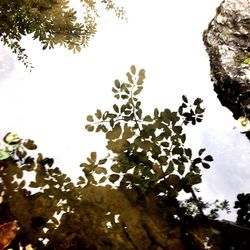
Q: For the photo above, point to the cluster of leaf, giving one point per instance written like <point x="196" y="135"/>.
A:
<point x="52" y="22"/>
<point x="243" y="206"/>
<point x="191" y="208"/>
<point x="52" y="212"/>
<point x="147" y="151"/>
<point x="34" y="193"/>
<point x="148" y="163"/>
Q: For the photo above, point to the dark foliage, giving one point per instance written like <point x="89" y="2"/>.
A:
<point x="243" y="206"/>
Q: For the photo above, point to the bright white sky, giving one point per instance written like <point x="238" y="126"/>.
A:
<point x="50" y="104"/>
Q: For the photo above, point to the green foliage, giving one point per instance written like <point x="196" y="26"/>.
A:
<point x="50" y="22"/>
<point x="246" y="61"/>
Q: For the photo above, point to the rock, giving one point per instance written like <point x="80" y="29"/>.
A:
<point x="227" y="41"/>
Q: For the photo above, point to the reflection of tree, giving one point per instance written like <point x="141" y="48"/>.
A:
<point x="128" y="200"/>
<point x="51" y="22"/>
<point x="243" y="206"/>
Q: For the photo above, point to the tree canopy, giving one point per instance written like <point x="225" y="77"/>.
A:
<point x="128" y="200"/>
<point x="52" y="22"/>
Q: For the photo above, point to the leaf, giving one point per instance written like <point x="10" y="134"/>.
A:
<point x="177" y="129"/>
<point x="116" y="168"/>
<point x="181" y="169"/>
<point x="166" y="116"/>
<point x="127" y="112"/>
<point x="22" y="184"/>
<point x="117" y="84"/>
<point x="198" y="101"/>
<point x="116" y="108"/>
<point x="176" y="161"/>
<point x="69" y="186"/>
<point x="138" y="104"/>
<point x="141" y="77"/>
<point x="201" y="151"/>
<point x="184" y="98"/>
<point x="48" y="161"/>
<point x="126" y="90"/>
<point x="177" y="151"/>
<point x="111" y="115"/>
<point x="165" y="144"/>
<point x="124" y="97"/>
<point x="173" y="179"/>
<point x="139" y="113"/>
<point x="89" y="127"/>
<point x="114" y="133"/>
<point x="11" y="138"/>
<point x="103" y="179"/>
<point x="102" y="161"/>
<point x="100" y="170"/>
<point x="194" y="179"/>
<point x="93" y="156"/>
<point x="4" y="155"/>
<point x="91" y="180"/>
<point x="114" y="90"/>
<point x="246" y="61"/>
<point x="162" y="160"/>
<point x="128" y="132"/>
<point x="156" y="113"/>
<point x="111" y="122"/>
<point x="188" y="152"/>
<point x="130" y="78"/>
<point x="205" y="165"/>
<point x="147" y="118"/>
<point x="145" y="145"/>
<point x="138" y="91"/>
<point x="114" y="177"/>
<point x="133" y="69"/>
<point x="142" y="73"/>
<point x="161" y="137"/>
<point x="196" y="161"/>
<point x="208" y="158"/>
<point x="199" y="110"/>
<point x="99" y="128"/>
<point x="196" y="169"/>
<point x="40" y="179"/>
<point x="81" y="180"/>
<point x="105" y="115"/>
<point x="104" y="129"/>
<point x="98" y="114"/>
<point x="180" y="110"/>
<point x="174" y="117"/>
<point x="167" y="132"/>
<point x="170" y="168"/>
<point x="183" y="138"/>
<point x="29" y="144"/>
<point x="90" y="118"/>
